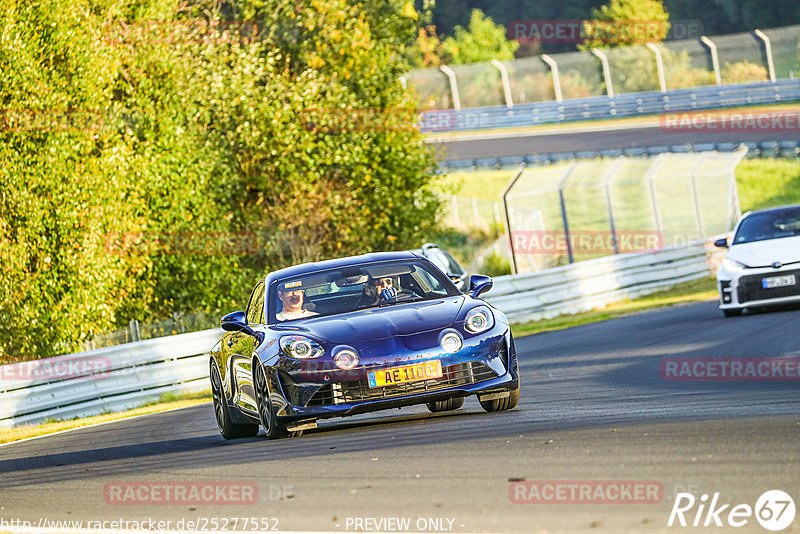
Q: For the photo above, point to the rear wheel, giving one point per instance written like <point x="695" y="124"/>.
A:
<point x="732" y="312"/>
<point x="226" y="426"/>
<point x="272" y="428"/>
<point x="446" y="405"/>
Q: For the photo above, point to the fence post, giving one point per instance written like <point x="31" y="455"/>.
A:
<point x="714" y="58"/>
<point x="506" y="85"/>
<point x="698" y="214"/>
<point x="768" y="52"/>
<point x="651" y="172"/>
<point x="564" y="218"/>
<point x="662" y="81"/>
<point x="609" y="205"/>
<point x="504" y="196"/>
<point x="453" y="85"/>
<point x="454" y="203"/>
<point x="606" y="71"/>
<point x="556" y="80"/>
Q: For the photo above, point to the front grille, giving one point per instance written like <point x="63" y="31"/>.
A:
<point x="750" y="287"/>
<point x="460" y="374"/>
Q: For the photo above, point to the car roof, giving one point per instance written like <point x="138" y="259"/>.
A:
<point x="306" y="268"/>
<point x="776" y="209"/>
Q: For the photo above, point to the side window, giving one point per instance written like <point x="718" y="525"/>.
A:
<point x="255" y="309"/>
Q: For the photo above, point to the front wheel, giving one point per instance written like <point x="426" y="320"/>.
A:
<point x="446" y="405"/>
<point x="501" y="405"/>
<point x="272" y="428"/>
<point x="226" y="426"/>
<point x="734" y="312"/>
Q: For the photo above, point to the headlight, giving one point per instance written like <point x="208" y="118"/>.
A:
<point x="732" y="266"/>
<point x="451" y="342"/>
<point x="346" y="359"/>
<point x="301" y="347"/>
<point x="479" y="319"/>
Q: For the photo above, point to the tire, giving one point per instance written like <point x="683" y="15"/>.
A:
<point x="732" y="312"/>
<point x="501" y="405"/>
<point x="272" y="428"/>
<point x="446" y="405"/>
<point x="222" y="414"/>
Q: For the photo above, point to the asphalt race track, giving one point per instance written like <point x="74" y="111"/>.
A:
<point x="594" y="408"/>
<point x="591" y="138"/>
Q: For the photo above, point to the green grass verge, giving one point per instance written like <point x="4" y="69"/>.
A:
<point x="166" y="402"/>
<point x="694" y="291"/>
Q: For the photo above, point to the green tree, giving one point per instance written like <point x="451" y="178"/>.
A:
<point x="482" y="40"/>
<point x="626" y="22"/>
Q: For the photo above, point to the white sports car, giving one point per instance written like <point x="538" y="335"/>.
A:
<point x="762" y="266"/>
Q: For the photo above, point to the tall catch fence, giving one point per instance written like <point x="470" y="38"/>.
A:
<point x="761" y="55"/>
<point x="587" y="209"/>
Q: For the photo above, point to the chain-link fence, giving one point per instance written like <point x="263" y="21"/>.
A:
<point x="180" y="323"/>
<point x="727" y="59"/>
<point x="587" y="209"/>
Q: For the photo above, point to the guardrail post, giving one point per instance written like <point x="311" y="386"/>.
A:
<point x="768" y="52"/>
<point x="564" y="218"/>
<point x="506" y="84"/>
<point x="554" y="72"/>
<point x="453" y="85"/>
<point x="662" y="81"/>
<point x="609" y="204"/>
<point x="606" y="71"/>
<point x="135" y="334"/>
<point x="714" y="58"/>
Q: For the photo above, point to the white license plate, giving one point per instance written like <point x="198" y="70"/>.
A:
<point x="778" y="281"/>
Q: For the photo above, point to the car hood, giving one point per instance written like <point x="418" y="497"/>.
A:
<point x="765" y="253"/>
<point x="381" y="323"/>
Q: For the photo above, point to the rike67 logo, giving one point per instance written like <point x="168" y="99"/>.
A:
<point x="774" y="510"/>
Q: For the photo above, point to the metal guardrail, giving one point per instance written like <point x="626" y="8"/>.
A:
<point x="104" y="380"/>
<point x="135" y="373"/>
<point x="590" y="284"/>
<point x="605" y="107"/>
<point x="761" y="149"/>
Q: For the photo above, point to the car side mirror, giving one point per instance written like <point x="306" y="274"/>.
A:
<point x="236" y="322"/>
<point x="478" y="284"/>
<point x="721" y="243"/>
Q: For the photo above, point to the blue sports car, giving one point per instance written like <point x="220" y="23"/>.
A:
<point x="356" y="335"/>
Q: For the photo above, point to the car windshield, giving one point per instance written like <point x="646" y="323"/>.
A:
<point x="768" y="225"/>
<point x="356" y="287"/>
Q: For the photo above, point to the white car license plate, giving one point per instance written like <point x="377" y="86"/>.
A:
<point x="778" y="281"/>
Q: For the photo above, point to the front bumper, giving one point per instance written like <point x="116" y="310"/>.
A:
<point x="744" y="289"/>
<point x="486" y="363"/>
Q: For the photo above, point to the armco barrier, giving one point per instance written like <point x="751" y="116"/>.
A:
<point x="605" y="107"/>
<point x="131" y="374"/>
<point x="595" y="283"/>
<point x="143" y="371"/>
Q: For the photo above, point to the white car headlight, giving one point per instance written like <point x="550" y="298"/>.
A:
<point x="733" y="266"/>
<point x="301" y="347"/>
<point x="451" y="343"/>
<point x="346" y="359"/>
<point x="478" y="319"/>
